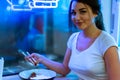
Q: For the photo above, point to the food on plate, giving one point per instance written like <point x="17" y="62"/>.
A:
<point x="40" y="77"/>
<point x="37" y="74"/>
<point x="33" y="74"/>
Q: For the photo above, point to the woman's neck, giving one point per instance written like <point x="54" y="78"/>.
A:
<point x="91" y="32"/>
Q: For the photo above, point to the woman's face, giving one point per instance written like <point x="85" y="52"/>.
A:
<point x="82" y="15"/>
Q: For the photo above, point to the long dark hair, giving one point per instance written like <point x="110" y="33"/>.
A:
<point x="96" y="8"/>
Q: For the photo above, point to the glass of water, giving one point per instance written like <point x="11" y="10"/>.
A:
<point x="1" y="67"/>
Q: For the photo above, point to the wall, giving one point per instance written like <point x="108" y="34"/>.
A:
<point x="60" y="29"/>
<point x="60" y="42"/>
<point x="106" y="10"/>
<point x="60" y="33"/>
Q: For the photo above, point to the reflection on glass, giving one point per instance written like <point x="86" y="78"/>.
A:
<point x="42" y="30"/>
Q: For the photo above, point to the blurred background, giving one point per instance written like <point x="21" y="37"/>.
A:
<point x="42" y="28"/>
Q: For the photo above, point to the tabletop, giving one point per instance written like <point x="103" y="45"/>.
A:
<point x="12" y="77"/>
<point x="70" y="76"/>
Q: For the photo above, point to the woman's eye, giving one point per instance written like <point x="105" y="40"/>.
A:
<point x="73" y="13"/>
<point x="83" y="12"/>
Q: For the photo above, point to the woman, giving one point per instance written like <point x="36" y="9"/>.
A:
<point x="91" y="53"/>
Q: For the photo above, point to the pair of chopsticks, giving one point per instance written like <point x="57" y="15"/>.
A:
<point x="32" y="60"/>
<point x="23" y="53"/>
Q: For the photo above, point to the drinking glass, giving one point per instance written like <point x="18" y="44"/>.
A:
<point x="1" y="67"/>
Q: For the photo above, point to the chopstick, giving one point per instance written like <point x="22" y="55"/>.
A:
<point x="32" y="60"/>
<point x="22" y="52"/>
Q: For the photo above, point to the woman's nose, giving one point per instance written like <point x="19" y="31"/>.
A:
<point x="77" y="16"/>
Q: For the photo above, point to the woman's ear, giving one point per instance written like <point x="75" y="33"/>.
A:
<point x="95" y="15"/>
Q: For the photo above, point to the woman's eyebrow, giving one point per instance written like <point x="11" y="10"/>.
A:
<point x="82" y="9"/>
<point x="79" y="9"/>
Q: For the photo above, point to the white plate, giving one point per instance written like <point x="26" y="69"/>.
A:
<point x="40" y="74"/>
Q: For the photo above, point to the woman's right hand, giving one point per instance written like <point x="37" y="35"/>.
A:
<point x="35" y="58"/>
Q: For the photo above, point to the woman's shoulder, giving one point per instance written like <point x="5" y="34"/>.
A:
<point x="71" y="39"/>
<point x="106" y="36"/>
<point x="107" y="39"/>
<point x="73" y="35"/>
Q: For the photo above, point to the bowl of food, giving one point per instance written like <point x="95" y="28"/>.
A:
<point x="37" y="74"/>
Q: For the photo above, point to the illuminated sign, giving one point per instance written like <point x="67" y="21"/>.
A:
<point x="30" y="4"/>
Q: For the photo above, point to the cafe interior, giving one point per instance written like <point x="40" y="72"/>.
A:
<point x="42" y="28"/>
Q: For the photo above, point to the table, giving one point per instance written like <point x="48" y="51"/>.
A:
<point x="70" y="76"/>
<point x="12" y="77"/>
<point x="16" y="77"/>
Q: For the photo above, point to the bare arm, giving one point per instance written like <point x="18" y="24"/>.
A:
<point x="112" y="63"/>
<point x="61" y="68"/>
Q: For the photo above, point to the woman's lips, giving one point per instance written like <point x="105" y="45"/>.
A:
<point x="78" y="23"/>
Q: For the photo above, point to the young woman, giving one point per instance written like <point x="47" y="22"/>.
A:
<point x="91" y="53"/>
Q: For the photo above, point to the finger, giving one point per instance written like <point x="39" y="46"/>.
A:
<point x="30" y="60"/>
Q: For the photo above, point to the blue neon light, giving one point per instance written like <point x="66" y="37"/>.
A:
<point x="30" y="4"/>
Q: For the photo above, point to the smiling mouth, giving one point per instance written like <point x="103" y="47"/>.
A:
<point x="78" y="23"/>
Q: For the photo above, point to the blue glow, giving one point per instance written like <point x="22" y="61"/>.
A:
<point x="28" y="5"/>
<point x="119" y="25"/>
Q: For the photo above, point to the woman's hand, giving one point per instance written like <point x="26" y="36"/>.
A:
<point x="35" y="58"/>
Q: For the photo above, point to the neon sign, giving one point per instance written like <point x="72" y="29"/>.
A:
<point x="30" y="4"/>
